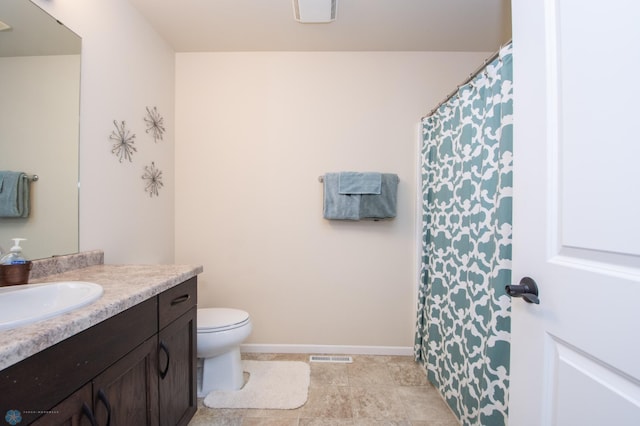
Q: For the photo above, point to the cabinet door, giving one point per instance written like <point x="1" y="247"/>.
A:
<point x="177" y="366"/>
<point x="127" y="392"/>
<point x="41" y="381"/>
<point x="75" y="410"/>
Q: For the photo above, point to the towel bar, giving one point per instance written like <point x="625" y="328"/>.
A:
<point x="321" y="179"/>
<point x="33" y="178"/>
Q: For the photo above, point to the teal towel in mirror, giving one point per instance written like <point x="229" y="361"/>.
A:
<point x="14" y="194"/>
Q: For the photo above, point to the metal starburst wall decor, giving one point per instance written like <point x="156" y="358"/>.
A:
<point x="155" y="125"/>
<point x="153" y="178"/>
<point x="123" y="147"/>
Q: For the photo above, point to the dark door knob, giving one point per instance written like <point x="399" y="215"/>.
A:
<point x="527" y="289"/>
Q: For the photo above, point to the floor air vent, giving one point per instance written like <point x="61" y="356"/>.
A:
<point x="331" y="358"/>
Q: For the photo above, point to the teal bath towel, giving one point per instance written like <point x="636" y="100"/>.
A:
<point x="336" y="205"/>
<point x="359" y="183"/>
<point x="14" y="194"/>
<point x="381" y="206"/>
<point x="357" y="206"/>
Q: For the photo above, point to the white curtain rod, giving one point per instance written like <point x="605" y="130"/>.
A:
<point x="471" y="76"/>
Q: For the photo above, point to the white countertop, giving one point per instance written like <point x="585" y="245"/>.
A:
<point x="124" y="286"/>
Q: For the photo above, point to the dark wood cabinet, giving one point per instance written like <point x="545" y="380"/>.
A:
<point x="136" y="368"/>
<point x="177" y="360"/>
<point x="177" y="315"/>
<point x="73" y="411"/>
<point x="127" y="392"/>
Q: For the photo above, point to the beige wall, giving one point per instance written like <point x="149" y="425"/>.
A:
<point x="255" y="131"/>
<point x="125" y="67"/>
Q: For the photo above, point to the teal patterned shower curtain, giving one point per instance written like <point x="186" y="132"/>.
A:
<point x="463" y="319"/>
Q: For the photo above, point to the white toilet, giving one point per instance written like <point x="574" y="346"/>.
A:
<point x="220" y="332"/>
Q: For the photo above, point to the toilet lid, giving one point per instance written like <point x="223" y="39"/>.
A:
<point x="219" y="319"/>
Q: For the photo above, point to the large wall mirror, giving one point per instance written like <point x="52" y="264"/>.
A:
<point x="39" y="126"/>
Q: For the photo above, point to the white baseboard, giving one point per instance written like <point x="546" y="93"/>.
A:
<point x="327" y="349"/>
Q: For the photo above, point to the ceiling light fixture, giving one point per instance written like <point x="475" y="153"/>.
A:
<point x="314" y="11"/>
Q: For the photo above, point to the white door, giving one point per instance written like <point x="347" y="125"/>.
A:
<point x="575" y="357"/>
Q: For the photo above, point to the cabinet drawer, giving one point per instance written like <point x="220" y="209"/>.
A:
<point x="176" y="301"/>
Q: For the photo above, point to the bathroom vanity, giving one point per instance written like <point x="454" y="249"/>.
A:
<point x="127" y="359"/>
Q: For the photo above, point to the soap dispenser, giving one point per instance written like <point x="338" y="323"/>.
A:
<point x="14" y="268"/>
<point x="14" y="257"/>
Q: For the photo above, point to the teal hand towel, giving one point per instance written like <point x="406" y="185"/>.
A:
<point x="359" y="182"/>
<point x="381" y="206"/>
<point x="14" y="194"/>
<point x="339" y="206"/>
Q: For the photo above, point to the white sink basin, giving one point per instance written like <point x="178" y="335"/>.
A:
<point x="28" y="303"/>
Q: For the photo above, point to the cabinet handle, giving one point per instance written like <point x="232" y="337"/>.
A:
<point x="163" y="372"/>
<point x="103" y="398"/>
<point x="86" y="411"/>
<point x="180" y="299"/>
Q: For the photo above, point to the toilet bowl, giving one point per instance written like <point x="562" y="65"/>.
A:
<point x="220" y="333"/>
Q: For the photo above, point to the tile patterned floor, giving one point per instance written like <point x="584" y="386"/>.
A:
<point x="371" y="391"/>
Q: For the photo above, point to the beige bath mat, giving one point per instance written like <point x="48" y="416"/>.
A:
<point x="271" y="385"/>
